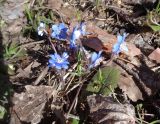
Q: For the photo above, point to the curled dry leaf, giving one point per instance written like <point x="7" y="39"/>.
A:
<point x="105" y="110"/>
<point x="93" y="42"/>
<point x="103" y="40"/>
<point x="155" y="55"/>
<point x="28" y="106"/>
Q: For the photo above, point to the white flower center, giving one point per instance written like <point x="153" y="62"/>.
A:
<point x="77" y="34"/>
<point x="60" y="60"/>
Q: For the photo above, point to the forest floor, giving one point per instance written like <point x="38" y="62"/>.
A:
<point x="79" y="62"/>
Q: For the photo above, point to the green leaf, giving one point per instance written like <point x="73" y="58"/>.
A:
<point x="2" y="112"/>
<point x="74" y="121"/>
<point x="104" y="81"/>
<point x="155" y="27"/>
<point x="29" y="14"/>
<point x="13" y="49"/>
<point x="155" y="122"/>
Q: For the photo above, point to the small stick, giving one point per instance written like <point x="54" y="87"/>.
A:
<point x="53" y="47"/>
<point x="79" y="89"/>
<point x="41" y="76"/>
<point x="126" y="61"/>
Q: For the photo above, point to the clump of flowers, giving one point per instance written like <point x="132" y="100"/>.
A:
<point x="59" y="62"/>
<point x="120" y="45"/>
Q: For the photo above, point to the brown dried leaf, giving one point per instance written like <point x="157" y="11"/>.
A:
<point x="128" y="86"/>
<point x="27" y="71"/>
<point x="155" y="55"/>
<point x="99" y="40"/>
<point x="132" y="50"/>
<point x="55" y="4"/>
<point x="29" y="105"/>
<point x="107" y="39"/>
<point x="93" y="42"/>
<point x="105" y="110"/>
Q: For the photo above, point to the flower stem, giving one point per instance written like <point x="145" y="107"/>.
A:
<point x="53" y="47"/>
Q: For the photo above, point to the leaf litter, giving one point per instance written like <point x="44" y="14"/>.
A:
<point x="58" y="89"/>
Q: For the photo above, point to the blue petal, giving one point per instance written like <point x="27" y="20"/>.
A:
<point x="99" y="54"/>
<point x="62" y="35"/>
<point x="73" y="45"/>
<point x="65" y="55"/>
<point x="58" y="67"/>
<point x="55" y="27"/>
<point x="62" y="26"/>
<point x="116" y="48"/>
<point x="94" y="57"/>
<point x="73" y="39"/>
<point x="65" y="62"/>
<point x="65" y="66"/>
<point x="124" y="37"/>
<point x="83" y="28"/>
<point x="53" y="35"/>
<point x="51" y="61"/>
<point x="119" y="39"/>
<point x="53" y="57"/>
<point x="91" y="66"/>
<point x="57" y="56"/>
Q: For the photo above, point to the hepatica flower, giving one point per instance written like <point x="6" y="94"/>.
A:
<point x="41" y="28"/>
<point x="120" y="45"/>
<point x="95" y="59"/>
<point x="59" y="62"/>
<point x="59" y="31"/>
<point x="79" y="30"/>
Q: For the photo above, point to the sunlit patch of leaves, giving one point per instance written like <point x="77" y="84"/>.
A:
<point x="153" y="18"/>
<point x="2" y="23"/>
<point x="104" y="81"/>
<point x="12" y="49"/>
<point x="2" y="112"/>
<point x="36" y="15"/>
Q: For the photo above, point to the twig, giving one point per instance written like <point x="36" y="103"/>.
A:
<point x="32" y="3"/>
<point x="126" y="61"/>
<point x="20" y="4"/>
<point x="79" y="89"/>
<point x="72" y="116"/>
<point x="75" y="86"/>
<point x="53" y="47"/>
<point x="41" y="76"/>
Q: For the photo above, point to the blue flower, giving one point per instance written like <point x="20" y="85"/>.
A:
<point x="120" y="40"/>
<point x="59" y="31"/>
<point x="83" y="28"/>
<point x="59" y="62"/>
<point x="95" y="59"/>
<point x="41" y="28"/>
<point x="79" y="30"/>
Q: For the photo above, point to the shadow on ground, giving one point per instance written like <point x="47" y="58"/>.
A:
<point x="5" y="86"/>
